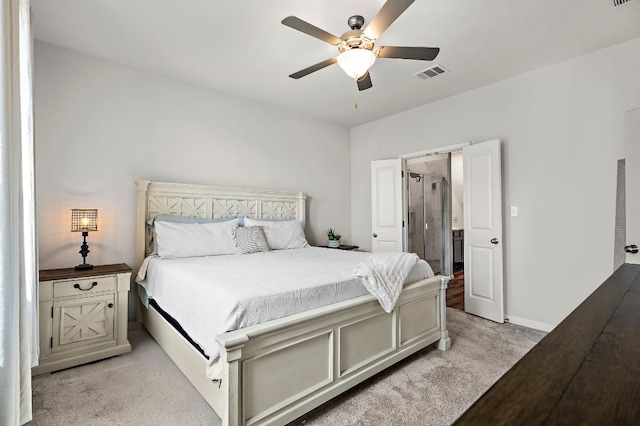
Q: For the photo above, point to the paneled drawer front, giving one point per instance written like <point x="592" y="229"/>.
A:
<point x="84" y="286"/>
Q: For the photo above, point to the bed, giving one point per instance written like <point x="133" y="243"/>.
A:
<point x="275" y="371"/>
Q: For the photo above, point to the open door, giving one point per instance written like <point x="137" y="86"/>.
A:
<point x="483" y="254"/>
<point x="387" y="204"/>
<point x="632" y="184"/>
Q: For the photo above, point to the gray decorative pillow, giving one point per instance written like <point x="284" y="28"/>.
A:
<point x="250" y="239"/>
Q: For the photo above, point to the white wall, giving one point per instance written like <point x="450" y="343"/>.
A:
<point x="562" y="133"/>
<point x="100" y="125"/>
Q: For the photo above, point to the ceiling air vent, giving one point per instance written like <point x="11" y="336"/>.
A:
<point x="431" y="72"/>
<point x="620" y="2"/>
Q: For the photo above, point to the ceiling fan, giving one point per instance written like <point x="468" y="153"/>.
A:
<point x="356" y="47"/>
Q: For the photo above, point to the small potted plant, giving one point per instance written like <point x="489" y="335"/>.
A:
<point x="333" y="237"/>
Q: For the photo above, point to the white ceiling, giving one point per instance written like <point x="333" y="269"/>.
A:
<point x="240" y="47"/>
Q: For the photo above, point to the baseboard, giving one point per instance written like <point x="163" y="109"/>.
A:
<point x="530" y="323"/>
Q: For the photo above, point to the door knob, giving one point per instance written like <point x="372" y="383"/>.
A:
<point x="494" y="241"/>
<point x="631" y="248"/>
<point x="375" y="235"/>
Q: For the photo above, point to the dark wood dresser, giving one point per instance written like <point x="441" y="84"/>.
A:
<point x="585" y="372"/>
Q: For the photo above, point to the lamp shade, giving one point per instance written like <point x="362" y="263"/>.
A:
<point x="84" y="220"/>
<point x="356" y="62"/>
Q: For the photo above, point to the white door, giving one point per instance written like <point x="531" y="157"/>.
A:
<point x="387" y="205"/>
<point x="632" y="184"/>
<point x="483" y="281"/>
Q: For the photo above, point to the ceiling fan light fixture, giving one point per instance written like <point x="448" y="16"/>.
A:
<point x="356" y="62"/>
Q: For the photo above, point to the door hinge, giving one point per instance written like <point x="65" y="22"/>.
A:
<point x="403" y="223"/>
<point x="52" y="312"/>
<point x="51" y="342"/>
<point x="401" y="173"/>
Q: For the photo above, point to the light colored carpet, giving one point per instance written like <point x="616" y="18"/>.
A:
<point x="429" y="388"/>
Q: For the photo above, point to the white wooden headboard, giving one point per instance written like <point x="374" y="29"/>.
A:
<point x="210" y="202"/>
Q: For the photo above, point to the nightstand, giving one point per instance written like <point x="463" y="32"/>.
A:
<point x="83" y="315"/>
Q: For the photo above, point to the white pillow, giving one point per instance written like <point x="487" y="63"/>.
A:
<point x="281" y="235"/>
<point x="196" y="239"/>
<point x="153" y="248"/>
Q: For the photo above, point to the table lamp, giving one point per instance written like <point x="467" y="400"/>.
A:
<point x="84" y="220"/>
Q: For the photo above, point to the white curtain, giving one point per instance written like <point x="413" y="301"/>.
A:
<point x="18" y="261"/>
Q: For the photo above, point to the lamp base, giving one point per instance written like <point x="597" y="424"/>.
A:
<point x="83" y="267"/>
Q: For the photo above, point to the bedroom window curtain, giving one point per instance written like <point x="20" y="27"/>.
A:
<point x="18" y="261"/>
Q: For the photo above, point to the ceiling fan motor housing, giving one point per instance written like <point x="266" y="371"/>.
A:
<point x="354" y="39"/>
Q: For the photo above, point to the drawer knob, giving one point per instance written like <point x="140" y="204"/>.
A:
<point x="93" y="284"/>
<point x="110" y="305"/>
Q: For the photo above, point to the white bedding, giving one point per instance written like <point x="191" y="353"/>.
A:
<point x="214" y="294"/>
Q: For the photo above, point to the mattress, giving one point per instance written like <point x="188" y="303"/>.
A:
<point x="215" y="294"/>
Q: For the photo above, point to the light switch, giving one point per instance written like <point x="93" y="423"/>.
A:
<point x="514" y="210"/>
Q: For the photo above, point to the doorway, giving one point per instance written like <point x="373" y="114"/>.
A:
<point x="481" y="236"/>
<point x="435" y="217"/>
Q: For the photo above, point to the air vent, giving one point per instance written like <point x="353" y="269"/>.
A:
<point x="431" y="72"/>
<point x="620" y="2"/>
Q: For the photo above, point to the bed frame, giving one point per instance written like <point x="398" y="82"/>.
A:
<point x="274" y="372"/>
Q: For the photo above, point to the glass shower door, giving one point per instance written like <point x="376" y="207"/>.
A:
<point x="429" y="208"/>
<point x="434" y="223"/>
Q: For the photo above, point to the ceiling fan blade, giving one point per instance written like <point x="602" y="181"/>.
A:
<point x="390" y="11"/>
<point x="307" y="28"/>
<point x="419" y="53"/>
<point x="314" y="68"/>
<point x="364" y="82"/>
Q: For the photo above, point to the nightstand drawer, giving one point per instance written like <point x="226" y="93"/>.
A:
<point x="84" y="286"/>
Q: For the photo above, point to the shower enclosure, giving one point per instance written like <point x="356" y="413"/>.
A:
<point x="429" y="211"/>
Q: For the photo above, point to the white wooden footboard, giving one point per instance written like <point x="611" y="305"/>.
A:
<point x="277" y="371"/>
